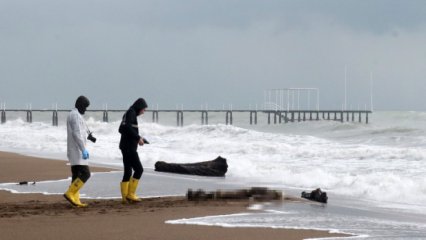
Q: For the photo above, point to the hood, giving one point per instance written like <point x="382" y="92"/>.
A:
<point x="81" y="104"/>
<point x="139" y="104"/>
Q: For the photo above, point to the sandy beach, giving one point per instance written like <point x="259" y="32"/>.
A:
<point x="37" y="216"/>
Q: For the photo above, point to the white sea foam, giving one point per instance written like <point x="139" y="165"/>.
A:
<point x="361" y="224"/>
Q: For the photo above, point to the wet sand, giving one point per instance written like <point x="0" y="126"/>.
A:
<point x="37" y="216"/>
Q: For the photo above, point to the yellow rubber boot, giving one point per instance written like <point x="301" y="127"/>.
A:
<point x="131" y="195"/>
<point x="124" y="191"/>
<point x="77" y="199"/>
<point x="73" y="189"/>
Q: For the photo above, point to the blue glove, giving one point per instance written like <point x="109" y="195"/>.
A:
<point x="85" y="154"/>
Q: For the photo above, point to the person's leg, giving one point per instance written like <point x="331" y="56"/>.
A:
<point x="136" y="166"/>
<point x="127" y="164"/>
<point x="124" y="185"/>
<point x="80" y="174"/>
<point x="134" y="181"/>
<point x="80" y="171"/>
<point x="83" y="173"/>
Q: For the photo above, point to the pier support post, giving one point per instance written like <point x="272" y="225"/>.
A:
<point x="304" y="116"/>
<point x="353" y="116"/>
<point x="341" y="116"/>
<point x="347" y="116"/>
<point x="317" y="116"/>
<point x="269" y="118"/>
<point x="251" y="117"/>
<point x="29" y="116"/>
<point x="328" y="115"/>
<point x="285" y="117"/>
<point x="155" y="116"/>
<point x="179" y="118"/>
<point x="359" y="117"/>
<point x="366" y="117"/>
<point x="310" y="116"/>
<point x="292" y="116"/>
<point x="105" y="116"/>
<point x="204" y="118"/>
<point x="55" y="118"/>
<point x="3" y="116"/>
<point x="228" y="117"/>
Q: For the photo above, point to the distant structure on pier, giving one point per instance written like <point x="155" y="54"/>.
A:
<point x="289" y="99"/>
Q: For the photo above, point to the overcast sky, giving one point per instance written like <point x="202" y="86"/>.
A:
<point x="215" y="52"/>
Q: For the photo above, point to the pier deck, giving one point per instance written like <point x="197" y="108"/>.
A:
<point x="273" y="116"/>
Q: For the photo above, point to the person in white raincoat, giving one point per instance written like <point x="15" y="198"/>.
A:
<point x="76" y="151"/>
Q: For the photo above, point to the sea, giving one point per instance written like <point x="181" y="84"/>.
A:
<point x="374" y="174"/>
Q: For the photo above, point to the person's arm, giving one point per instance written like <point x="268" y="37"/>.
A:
<point x="129" y="129"/>
<point x="75" y="130"/>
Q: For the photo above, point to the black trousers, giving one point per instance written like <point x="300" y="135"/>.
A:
<point x="131" y="163"/>
<point x="80" y="171"/>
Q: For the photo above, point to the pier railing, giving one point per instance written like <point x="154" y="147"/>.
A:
<point x="273" y="116"/>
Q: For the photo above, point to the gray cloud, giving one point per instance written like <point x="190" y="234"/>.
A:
<point x="215" y="52"/>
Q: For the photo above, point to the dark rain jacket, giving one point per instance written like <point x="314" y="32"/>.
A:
<point x="129" y="126"/>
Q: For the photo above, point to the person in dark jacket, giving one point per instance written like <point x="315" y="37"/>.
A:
<point x="130" y="139"/>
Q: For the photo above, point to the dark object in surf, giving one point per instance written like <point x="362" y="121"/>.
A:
<point x="316" y="195"/>
<point x="214" y="168"/>
<point x="145" y="141"/>
<point x="26" y="183"/>
<point x="255" y="193"/>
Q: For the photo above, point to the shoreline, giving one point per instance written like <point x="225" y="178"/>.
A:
<point x="29" y="216"/>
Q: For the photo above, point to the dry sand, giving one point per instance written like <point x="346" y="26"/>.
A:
<point x="37" y="216"/>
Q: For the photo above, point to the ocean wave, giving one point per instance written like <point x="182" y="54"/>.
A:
<point x="351" y="159"/>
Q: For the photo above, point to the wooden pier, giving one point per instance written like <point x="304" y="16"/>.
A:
<point x="273" y="116"/>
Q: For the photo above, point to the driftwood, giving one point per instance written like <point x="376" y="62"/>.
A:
<point x="217" y="167"/>
<point x="256" y="193"/>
